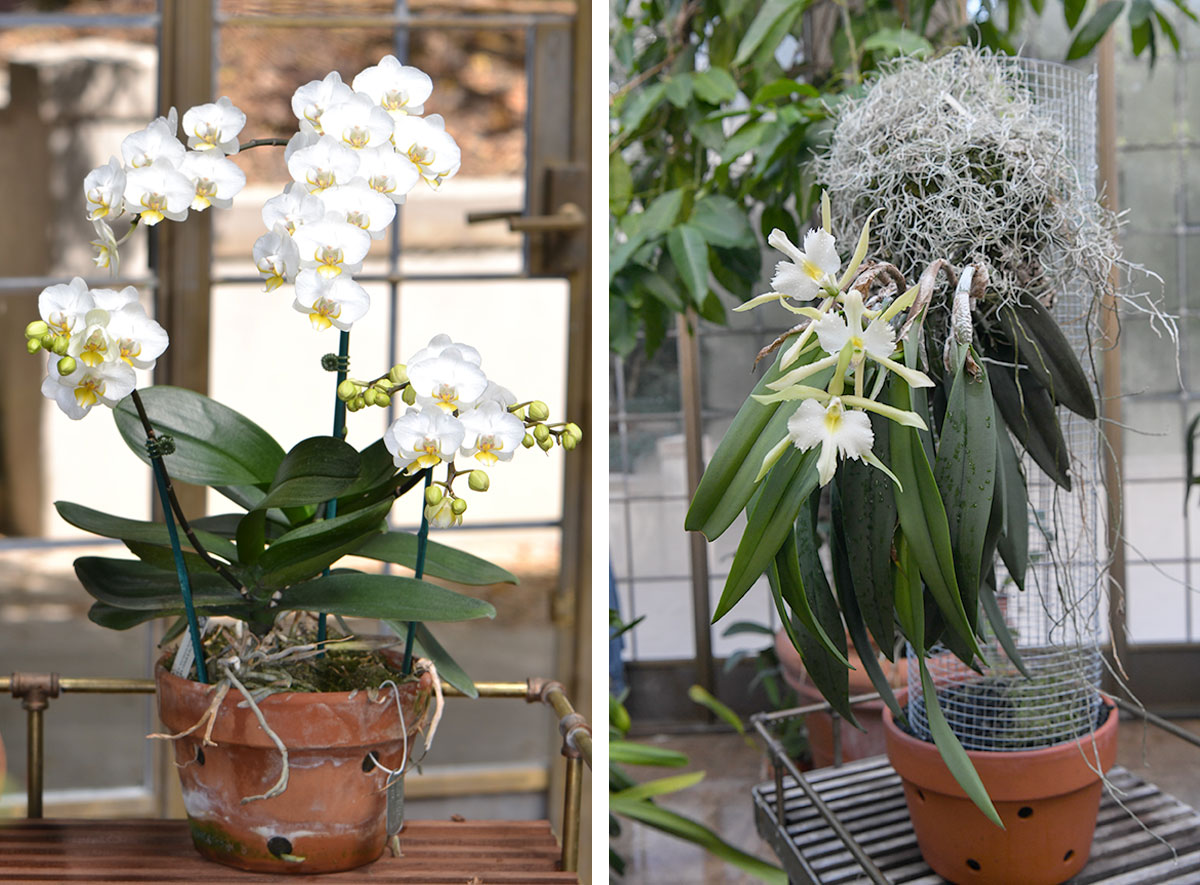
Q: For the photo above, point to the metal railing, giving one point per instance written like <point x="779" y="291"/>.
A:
<point x="36" y="690"/>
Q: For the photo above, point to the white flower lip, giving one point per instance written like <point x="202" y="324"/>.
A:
<point x="838" y="432"/>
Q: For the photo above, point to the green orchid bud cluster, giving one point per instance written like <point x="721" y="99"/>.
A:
<point x="39" y="336"/>
<point x="358" y="395"/>
<point x="545" y="436"/>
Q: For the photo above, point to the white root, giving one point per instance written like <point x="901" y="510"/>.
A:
<point x="281" y="784"/>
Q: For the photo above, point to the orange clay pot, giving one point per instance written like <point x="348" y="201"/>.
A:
<point x="856" y="744"/>
<point x="333" y="813"/>
<point x="1047" y="798"/>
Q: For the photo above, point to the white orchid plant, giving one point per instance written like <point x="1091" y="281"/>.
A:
<point x="359" y="149"/>
<point x="904" y="433"/>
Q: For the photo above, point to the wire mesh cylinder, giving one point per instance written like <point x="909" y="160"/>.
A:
<point x="1057" y="621"/>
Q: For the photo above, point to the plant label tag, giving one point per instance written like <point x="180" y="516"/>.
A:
<point x="185" y="656"/>
<point x="395" y="806"/>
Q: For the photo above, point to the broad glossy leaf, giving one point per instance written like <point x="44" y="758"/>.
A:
<point x="690" y="254"/>
<point x="214" y="445"/>
<point x="315" y="470"/>
<point x="1013" y="543"/>
<point x="155" y="533"/>
<point x="1029" y="413"/>
<point x="305" y="551"/>
<point x="721" y="222"/>
<point x="114" y="618"/>
<point x="1072" y="10"/>
<point x="252" y="537"/>
<point x="1041" y="346"/>
<point x="129" y="584"/>
<point x="805" y="589"/>
<point x="440" y="561"/>
<point x="714" y="86"/>
<point x="447" y="667"/>
<point x="386" y="597"/>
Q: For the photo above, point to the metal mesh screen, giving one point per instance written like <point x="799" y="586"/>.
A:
<point x="1057" y="620"/>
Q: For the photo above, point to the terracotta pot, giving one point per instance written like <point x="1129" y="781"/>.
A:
<point x="855" y="744"/>
<point x="334" y="810"/>
<point x="1047" y="798"/>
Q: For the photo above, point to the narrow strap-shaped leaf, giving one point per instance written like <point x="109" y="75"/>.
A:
<point x="995" y="617"/>
<point x="659" y="786"/>
<point x="1013" y="543"/>
<point x="110" y="526"/>
<point x="440" y="561"/>
<point x="447" y="667"/>
<point x="802" y="582"/>
<point x="770" y="520"/>
<point x="1029" y="413"/>
<point x="630" y="753"/>
<point x="1041" y="346"/>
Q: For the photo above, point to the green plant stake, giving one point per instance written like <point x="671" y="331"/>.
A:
<point x="419" y="572"/>
<point x="342" y="364"/>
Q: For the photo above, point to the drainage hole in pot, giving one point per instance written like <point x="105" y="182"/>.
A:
<point x="973" y="864"/>
<point x="1070" y="854"/>
<point x="369" y="762"/>
<point x="920" y="795"/>
<point x="278" y="845"/>
<point x="1025" y="811"/>
<point x="199" y="755"/>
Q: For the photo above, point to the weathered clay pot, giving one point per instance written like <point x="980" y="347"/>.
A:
<point x="1047" y="798"/>
<point x="856" y="744"/>
<point x="333" y="812"/>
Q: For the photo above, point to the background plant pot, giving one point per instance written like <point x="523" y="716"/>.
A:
<point x="1047" y="798"/>
<point x="333" y="813"/>
<point x="855" y="744"/>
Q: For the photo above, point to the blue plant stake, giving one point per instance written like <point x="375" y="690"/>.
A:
<point x="422" y="544"/>
<point x="342" y="364"/>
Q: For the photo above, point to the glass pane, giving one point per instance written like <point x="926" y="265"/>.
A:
<point x="1155" y="603"/>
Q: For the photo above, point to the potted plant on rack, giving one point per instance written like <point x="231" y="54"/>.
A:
<point x="941" y="420"/>
<point x="291" y="734"/>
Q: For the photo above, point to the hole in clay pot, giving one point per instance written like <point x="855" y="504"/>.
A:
<point x="920" y="795"/>
<point x="369" y="762"/>
<point x="199" y="755"/>
<point x="278" y="845"/>
<point x="1025" y="811"/>
<point x="973" y="864"/>
<point x="1070" y="854"/>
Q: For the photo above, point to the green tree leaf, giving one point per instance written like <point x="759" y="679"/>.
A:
<point x="620" y="184"/>
<point x="722" y="222"/>
<point x="690" y="254"/>
<point x="1094" y="28"/>
<point x="714" y="86"/>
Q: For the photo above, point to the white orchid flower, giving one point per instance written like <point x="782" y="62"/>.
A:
<point x="839" y="433"/>
<point x="107" y="383"/>
<point x="305" y="137"/>
<point x="358" y="123"/>
<point x="332" y="247"/>
<point x="325" y="164"/>
<point x="806" y="275"/>
<point x="838" y="331"/>
<point x="429" y="147"/>
<point x="214" y="127"/>
<point x="63" y="307"/>
<point x="292" y="208"/>
<point x="492" y="433"/>
<point x="338" y="301"/>
<point x="139" y="340"/>
<point x="93" y="345"/>
<point x="276" y="257"/>
<point x="104" y="190"/>
<point x="423" y="438"/>
<point x="154" y="143"/>
<point x="112" y="299"/>
<point x="357" y="204"/>
<point x="447" y="381"/>
<point x="157" y="192"/>
<point x="311" y="100"/>
<point x="441" y="342"/>
<point x="399" y="89"/>
<point x="494" y="393"/>
<point x="107" y="248"/>
<point x="387" y="172"/>
<point x="215" y="179"/>
<point x="441" y="515"/>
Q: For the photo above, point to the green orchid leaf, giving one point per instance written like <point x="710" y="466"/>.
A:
<point x="1013" y="543"/>
<point x="164" y="557"/>
<point x="747" y="627"/>
<point x="1072" y="10"/>
<point x="698" y="695"/>
<point x="869" y="524"/>
<point x="214" y="445"/>
<point x="129" y="584"/>
<point x="659" y="786"/>
<point x="252" y="537"/>
<point x="688" y="250"/>
<point x="315" y="470"/>
<point x="1039" y="344"/>
<point x="1094" y="29"/>
<point x="375" y="467"/>
<point x="428" y="647"/>
<point x="995" y="617"/>
<point x="629" y="753"/>
<point x="386" y="597"/>
<point x="804" y="585"/>
<point x="965" y="472"/>
<point x="440" y="561"/>
<point x="1028" y="411"/>
<point x="304" y="552"/>
<point x="674" y="824"/>
<point x="153" y="533"/>
<point x="114" y="618"/>
<point x="225" y="525"/>
<point x="769" y="522"/>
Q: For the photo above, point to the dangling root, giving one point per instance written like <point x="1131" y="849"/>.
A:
<point x="281" y="784"/>
<point x="210" y="716"/>
<point x="422" y="667"/>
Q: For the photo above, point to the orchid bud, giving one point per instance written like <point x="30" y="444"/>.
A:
<point x="398" y="374"/>
<point x="360" y="402"/>
<point x="61" y="343"/>
<point x="568" y="442"/>
<point x="33" y="345"/>
<point x="458" y="506"/>
<point x="478" y="481"/>
<point x="572" y="430"/>
<point x="66" y="365"/>
<point x="382" y="399"/>
<point x="369" y="396"/>
<point x="347" y="390"/>
<point x="409" y="396"/>
<point x="384" y="384"/>
<point x="546" y="444"/>
<point x="528" y="441"/>
<point x="538" y="410"/>
<point x="36" y="329"/>
<point x="541" y="433"/>
<point x="433" y="495"/>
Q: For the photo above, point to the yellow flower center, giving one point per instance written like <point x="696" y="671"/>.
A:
<point x="324" y="312"/>
<point x="94" y="349"/>
<point x="395" y="100"/>
<point x="357" y="137"/>
<point x="321" y="179"/>
<point x="130" y="349"/>
<point x="89" y="392"/>
<point x="421" y="156"/>
<point x="329" y="261"/>
<point x="487" y="445"/>
<point x="381" y="183"/>
<point x="154" y="205"/>
<point x="431" y="447"/>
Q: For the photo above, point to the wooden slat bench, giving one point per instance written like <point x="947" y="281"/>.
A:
<point x="1160" y="846"/>
<point x="478" y="852"/>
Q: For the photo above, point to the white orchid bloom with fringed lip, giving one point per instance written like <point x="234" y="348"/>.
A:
<point x="63" y="306"/>
<point x="336" y="301"/>
<point x="837" y="331"/>
<point x="292" y="208"/>
<point x="311" y="100"/>
<point x="215" y="179"/>
<point x="138" y="340"/>
<point x="108" y="253"/>
<point x="104" y="190"/>
<point x="838" y="433"/>
<point x="276" y="257"/>
<point x="157" y="192"/>
<point x="358" y="123"/>
<point x="805" y="275"/>
<point x="429" y="147"/>
<point x="106" y="383"/>
<point x="214" y="126"/>
<point x="447" y="381"/>
<point x="157" y="142"/>
<point x="439" y="343"/>
<point x="399" y="89"/>
<point x="357" y="204"/>
<point x="492" y="433"/>
<point x="332" y="247"/>
<point x="325" y="164"/>
<point x="423" y="438"/>
<point x="387" y="172"/>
